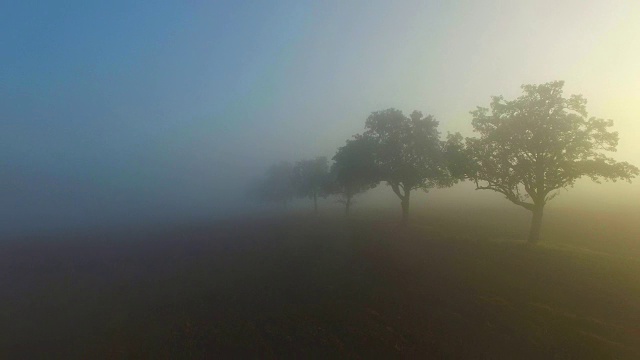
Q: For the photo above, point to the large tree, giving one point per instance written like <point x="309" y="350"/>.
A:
<point x="531" y="147"/>
<point x="310" y="179"/>
<point x="408" y="153"/>
<point x="354" y="170"/>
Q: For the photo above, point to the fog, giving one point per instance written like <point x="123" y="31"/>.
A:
<point x="115" y="114"/>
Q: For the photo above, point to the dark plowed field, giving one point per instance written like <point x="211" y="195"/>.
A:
<point x="313" y="288"/>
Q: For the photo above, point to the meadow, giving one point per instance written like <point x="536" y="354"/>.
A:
<point x="451" y="284"/>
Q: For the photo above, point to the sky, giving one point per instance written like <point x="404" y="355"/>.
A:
<point x="120" y="111"/>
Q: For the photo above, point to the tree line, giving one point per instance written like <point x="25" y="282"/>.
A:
<point x="526" y="149"/>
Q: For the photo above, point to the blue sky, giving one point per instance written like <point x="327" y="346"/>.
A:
<point x="112" y="110"/>
<point x="116" y="105"/>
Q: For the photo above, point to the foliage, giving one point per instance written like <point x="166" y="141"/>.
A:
<point x="408" y="152"/>
<point x="541" y="142"/>
<point x="456" y="156"/>
<point x="354" y="169"/>
<point x="310" y="178"/>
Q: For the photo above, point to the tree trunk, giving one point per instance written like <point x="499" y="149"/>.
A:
<point x="536" y="224"/>
<point x="347" y="205"/>
<point x="405" y="207"/>
<point x="315" y="203"/>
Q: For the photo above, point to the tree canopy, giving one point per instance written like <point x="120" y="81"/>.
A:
<point x="539" y="143"/>
<point x="354" y="170"/>
<point x="408" y="152"/>
<point x="527" y="149"/>
<point x="310" y="179"/>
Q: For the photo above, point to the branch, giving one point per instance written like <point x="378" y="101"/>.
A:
<point x="508" y="193"/>
<point x="396" y="190"/>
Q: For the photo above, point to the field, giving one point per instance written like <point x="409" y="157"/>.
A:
<point x="451" y="284"/>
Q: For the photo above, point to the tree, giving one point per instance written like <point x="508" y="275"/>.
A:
<point x="310" y="179"/>
<point x="531" y="147"/>
<point x="408" y="153"/>
<point x="276" y="185"/>
<point x="354" y="170"/>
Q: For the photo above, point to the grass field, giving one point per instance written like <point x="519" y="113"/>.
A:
<point x="452" y="284"/>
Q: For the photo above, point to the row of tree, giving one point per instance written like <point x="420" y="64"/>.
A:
<point x="527" y="149"/>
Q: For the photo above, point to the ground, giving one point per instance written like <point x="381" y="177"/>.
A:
<point x="448" y="285"/>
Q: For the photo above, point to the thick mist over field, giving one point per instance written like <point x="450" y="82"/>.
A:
<point x="320" y="179"/>
<point x="119" y="114"/>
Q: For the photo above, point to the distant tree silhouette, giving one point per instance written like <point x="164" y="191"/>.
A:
<point x="310" y="179"/>
<point x="531" y="147"/>
<point x="354" y="170"/>
<point x="457" y="157"/>
<point x="408" y="153"/>
<point x="276" y="186"/>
